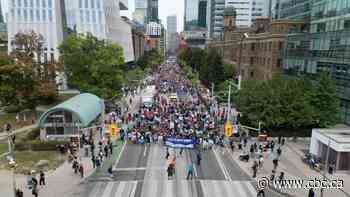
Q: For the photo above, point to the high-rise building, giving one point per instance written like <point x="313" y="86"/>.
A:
<point x="249" y="10"/>
<point x="50" y="18"/>
<point x="195" y="15"/>
<point x="295" y="10"/>
<point x="323" y="47"/>
<point x="140" y="13"/>
<point x="172" y="42"/>
<point x="215" y="18"/>
<point x="152" y="11"/>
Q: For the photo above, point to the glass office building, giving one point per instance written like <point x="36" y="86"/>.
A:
<point x="324" y="48"/>
<point x="195" y="14"/>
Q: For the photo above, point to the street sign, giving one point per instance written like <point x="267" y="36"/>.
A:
<point x="228" y="129"/>
<point x="113" y="130"/>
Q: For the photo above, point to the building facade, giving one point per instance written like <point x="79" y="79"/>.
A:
<point x="216" y="15"/>
<point x="152" y="11"/>
<point x="195" y="15"/>
<point x="51" y="18"/>
<point x="138" y="39"/>
<point x="43" y="17"/>
<point x="244" y="11"/>
<point x="295" y="10"/>
<point x="325" y="47"/>
<point x="140" y="13"/>
<point x="172" y="40"/>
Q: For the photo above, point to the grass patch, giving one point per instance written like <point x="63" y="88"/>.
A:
<point x="27" y="159"/>
<point x="7" y="118"/>
<point x="3" y="147"/>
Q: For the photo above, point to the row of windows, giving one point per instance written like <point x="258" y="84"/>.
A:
<point x="91" y="16"/>
<point x="332" y="25"/>
<point x="32" y="15"/>
<point x="89" y="3"/>
<point x="32" y="3"/>
<point x="241" y="3"/>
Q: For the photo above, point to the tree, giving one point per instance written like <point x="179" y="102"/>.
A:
<point x="324" y="100"/>
<point x="151" y="59"/>
<point x="212" y="71"/>
<point x="25" y="80"/>
<point x="93" y="65"/>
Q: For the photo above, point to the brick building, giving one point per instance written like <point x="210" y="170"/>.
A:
<point x="260" y="53"/>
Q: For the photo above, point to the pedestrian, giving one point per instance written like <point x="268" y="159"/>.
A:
<point x="189" y="171"/>
<point x="167" y="154"/>
<point x="81" y="170"/>
<point x="311" y="193"/>
<point x="275" y="163"/>
<point x="272" y="146"/>
<point x="281" y="177"/>
<point x="75" y="166"/>
<point x="261" y="161"/>
<point x="232" y="145"/>
<point x="93" y="160"/>
<point x="199" y="158"/>
<point x="170" y="171"/>
<point x="273" y="175"/>
<point x="111" y="148"/>
<point x="279" y="139"/>
<point x="261" y="191"/>
<point x="279" y="151"/>
<point x="110" y="171"/>
<point x="255" y="168"/>
<point x="181" y="151"/>
<point x="106" y="151"/>
<point x="283" y="141"/>
<point x="42" y="178"/>
<point x="35" y="190"/>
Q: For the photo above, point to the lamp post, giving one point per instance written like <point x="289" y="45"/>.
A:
<point x="245" y="35"/>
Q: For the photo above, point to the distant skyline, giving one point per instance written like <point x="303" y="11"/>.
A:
<point x="166" y="8"/>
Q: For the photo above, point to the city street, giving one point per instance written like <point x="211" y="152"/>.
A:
<point x="141" y="172"/>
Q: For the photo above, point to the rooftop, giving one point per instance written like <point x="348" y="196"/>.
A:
<point x="340" y="135"/>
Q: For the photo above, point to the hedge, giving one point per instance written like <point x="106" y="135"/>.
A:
<point x="37" y="145"/>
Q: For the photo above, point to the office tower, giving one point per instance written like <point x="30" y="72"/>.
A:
<point x="140" y="13"/>
<point x="244" y="11"/>
<point x="195" y="15"/>
<point x="215" y="15"/>
<point x="172" y="43"/>
<point x="152" y="11"/>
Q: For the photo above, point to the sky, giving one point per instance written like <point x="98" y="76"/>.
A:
<point x="166" y="8"/>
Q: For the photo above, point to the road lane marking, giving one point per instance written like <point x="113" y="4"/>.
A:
<point x="119" y="156"/>
<point x="119" y="192"/>
<point x="108" y="189"/>
<point x="145" y="150"/>
<point x="222" y="166"/>
<point x="95" y="189"/>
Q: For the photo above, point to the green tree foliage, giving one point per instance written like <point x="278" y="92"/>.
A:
<point x="25" y="80"/>
<point x="291" y="104"/>
<point x="151" y="59"/>
<point x="93" y="65"/>
<point x="209" y="64"/>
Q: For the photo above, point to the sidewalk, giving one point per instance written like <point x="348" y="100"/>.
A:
<point x="3" y="135"/>
<point x="292" y="165"/>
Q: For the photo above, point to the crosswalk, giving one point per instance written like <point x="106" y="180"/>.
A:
<point x="174" y="188"/>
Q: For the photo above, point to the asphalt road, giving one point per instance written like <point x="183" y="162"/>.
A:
<point x="141" y="172"/>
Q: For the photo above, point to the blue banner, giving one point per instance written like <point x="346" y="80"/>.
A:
<point x="180" y="143"/>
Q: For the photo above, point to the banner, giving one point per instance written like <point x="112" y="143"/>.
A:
<point x="180" y="143"/>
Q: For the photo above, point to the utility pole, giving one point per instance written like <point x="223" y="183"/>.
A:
<point x="229" y="103"/>
<point x="326" y="164"/>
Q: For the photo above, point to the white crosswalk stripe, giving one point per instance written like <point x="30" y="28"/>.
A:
<point x="174" y="188"/>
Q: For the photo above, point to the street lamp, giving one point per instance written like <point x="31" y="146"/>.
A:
<point x="245" y="35"/>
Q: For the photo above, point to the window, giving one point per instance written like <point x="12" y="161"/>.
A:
<point x="50" y="3"/>
<point x="43" y="4"/>
<point x="98" y="4"/>
<point x="86" y="3"/>
<point x="92" y="4"/>
<point x="50" y="15"/>
<point x="31" y="3"/>
<point x="94" y="17"/>
<point x="87" y="16"/>
<point x="37" y="3"/>
<point x="44" y="15"/>
<point x="347" y="24"/>
<point x="13" y="13"/>
<point x="19" y="17"/>
<point x="19" y="3"/>
<point x="31" y="13"/>
<point x="38" y="15"/>
<point x="25" y="2"/>
<point x="80" y="3"/>
<point x="99" y="17"/>
<point x="25" y="15"/>
<point x="81" y="16"/>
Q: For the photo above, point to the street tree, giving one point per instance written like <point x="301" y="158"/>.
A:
<point x="93" y="65"/>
